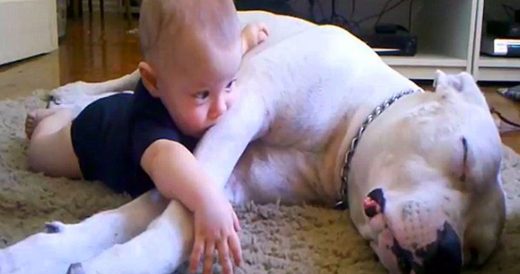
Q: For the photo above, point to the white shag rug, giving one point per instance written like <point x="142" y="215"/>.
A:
<point x="275" y="238"/>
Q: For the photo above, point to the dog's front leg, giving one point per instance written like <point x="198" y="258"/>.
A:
<point x="62" y="244"/>
<point x="160" y="249"/>
<point x="222" y="145"/>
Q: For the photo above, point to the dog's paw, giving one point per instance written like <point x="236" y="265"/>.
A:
<point x="70" y="93"/>
<point x="2" y="263"/>
<point x="54" y="227"/>
<point x="74" y="87"/>
<point x="76" y="268"/>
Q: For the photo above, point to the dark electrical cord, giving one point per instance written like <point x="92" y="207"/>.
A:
<point x="335" y="16"/>
<point x="384" y="11"/>
<point x="504" y="119"/>
<point x="350" y="23"/>
<point x="509" y="10"/>
<point x="353" y="9"/>
<point x="410" y="9"/>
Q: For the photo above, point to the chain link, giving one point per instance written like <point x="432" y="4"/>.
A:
<point x="353" y="144"/>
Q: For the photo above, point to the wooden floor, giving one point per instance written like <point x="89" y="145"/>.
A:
<point x="97" y="50"/>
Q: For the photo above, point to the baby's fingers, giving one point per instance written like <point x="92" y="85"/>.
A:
<point x="236" y="222"/>
<point x="196" y="253"/>
<point x="264" y="31"/>
<point x="236" y="250"/>
<point x="208" y="257"/>
<point x="223" y="255"/>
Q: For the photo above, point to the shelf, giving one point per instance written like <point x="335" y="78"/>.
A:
<point x="496" y="62"/>
<point x="498" y="69"/>
<point x="423" y="65"/>
<point x="425" y="60"/>
<point x="444" y="38"/>
<point x="488" y="68"/>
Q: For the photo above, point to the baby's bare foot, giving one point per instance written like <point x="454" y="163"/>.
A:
<point x="34" y="117"/>
<point x="254" y="34"/>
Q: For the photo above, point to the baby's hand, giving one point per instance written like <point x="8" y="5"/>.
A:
<point x="216" y="227"/>
<point x="253" y="34"/>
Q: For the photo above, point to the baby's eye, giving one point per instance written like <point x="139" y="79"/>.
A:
<point x="202" y="95"/>
<point x="231" y="84"/>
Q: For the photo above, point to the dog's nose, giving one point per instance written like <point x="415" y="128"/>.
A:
<point x="444" y="255"/>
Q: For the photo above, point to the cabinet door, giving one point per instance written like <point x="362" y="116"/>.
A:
<point x="27" y="28"/>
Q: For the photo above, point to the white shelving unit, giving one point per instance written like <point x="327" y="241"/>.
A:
<point x="487" y="68"/>
<point x="449" y="34"/>
<point x="445" y="31"/>
<point x="424" y="65"/>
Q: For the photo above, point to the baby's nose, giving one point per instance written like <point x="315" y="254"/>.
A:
<point x="218" y="107"/>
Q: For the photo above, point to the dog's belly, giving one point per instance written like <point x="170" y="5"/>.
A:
<point x="268" y="173"/>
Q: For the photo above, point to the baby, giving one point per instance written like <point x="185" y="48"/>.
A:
<point x="192" y="50"/>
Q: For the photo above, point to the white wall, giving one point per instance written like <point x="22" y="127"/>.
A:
<point x="27" y="28"/>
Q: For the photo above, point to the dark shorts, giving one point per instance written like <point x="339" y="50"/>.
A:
<point x="101" y="140"/>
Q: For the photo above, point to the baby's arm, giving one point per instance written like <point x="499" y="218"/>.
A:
<point x="177" y="175"/>
<point x="252" y="35"/>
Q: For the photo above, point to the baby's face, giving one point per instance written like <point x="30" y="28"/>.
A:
<point x="198" y="88"/>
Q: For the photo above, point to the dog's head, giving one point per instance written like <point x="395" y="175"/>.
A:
<point x="436" y="201"/>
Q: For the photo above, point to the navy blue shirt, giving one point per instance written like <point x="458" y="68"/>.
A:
<point x="152" y="122"/>
<point x="111" y="135"/>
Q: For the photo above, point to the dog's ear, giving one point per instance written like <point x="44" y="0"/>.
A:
<point x="440" y="78"/>
<point x="463" y="83"/>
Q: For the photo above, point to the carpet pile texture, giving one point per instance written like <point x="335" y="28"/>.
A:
<point x="275" y="238"/>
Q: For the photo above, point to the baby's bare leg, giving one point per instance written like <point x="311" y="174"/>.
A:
<point x="62" y="244"/>
<point x="50" y="146"/>
<point x="252" y="35"/>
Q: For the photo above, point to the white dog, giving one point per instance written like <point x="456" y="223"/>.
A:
<point x="322" y="119"/>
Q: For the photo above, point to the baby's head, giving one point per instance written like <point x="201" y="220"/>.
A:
<point x="192" y="51"/>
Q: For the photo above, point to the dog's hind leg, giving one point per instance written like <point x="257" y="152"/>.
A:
<point x="83" y="93"/>
<point x="160" y="249"/>
<point x="62" y="244"/>
<point x="124" y="83"/>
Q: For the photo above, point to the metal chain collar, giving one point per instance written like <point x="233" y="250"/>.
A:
<point x="342" y="203"/>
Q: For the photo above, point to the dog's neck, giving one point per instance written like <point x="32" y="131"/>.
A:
<point x="354" y="135"/>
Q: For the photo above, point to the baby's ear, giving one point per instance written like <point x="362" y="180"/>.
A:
<point x="149" y="78"/>
<point x="463" y="83"/>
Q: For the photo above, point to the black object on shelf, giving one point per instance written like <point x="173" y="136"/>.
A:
<point x="503" y="29"/>
<point x="391" y="39"/>
<point x="502" y="47"/>
<point x="392" y="44"/>
<point x="502" y="38"/>
<point x="512" y="93"/>
<point x="276" y="6"/>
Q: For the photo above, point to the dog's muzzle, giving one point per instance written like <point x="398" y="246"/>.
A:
<point x="444" y="255"/>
